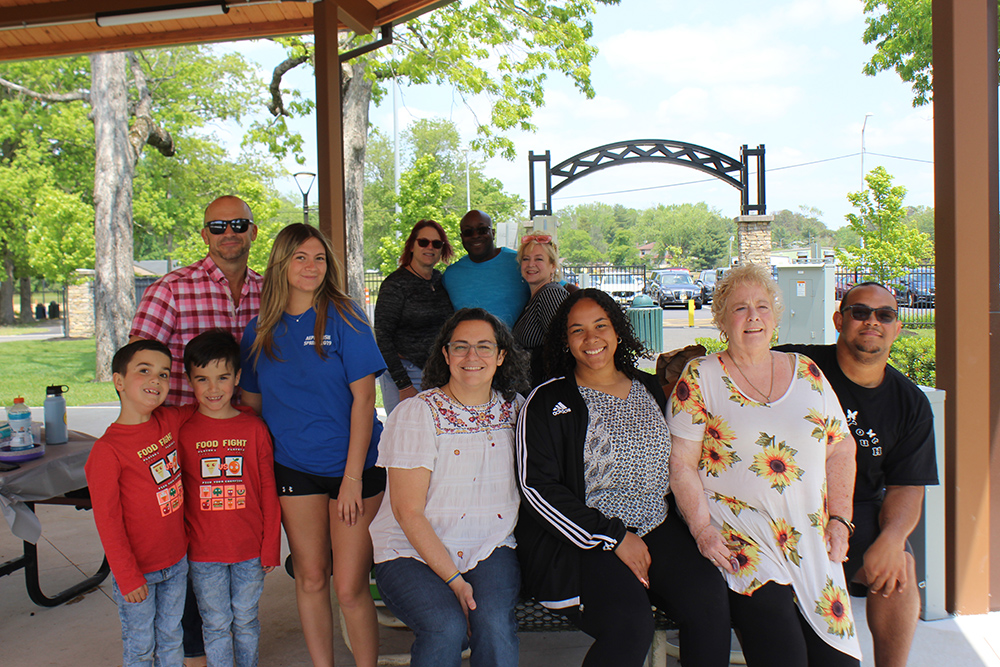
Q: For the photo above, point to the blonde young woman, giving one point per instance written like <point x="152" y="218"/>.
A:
<point x="538" y="257"/>
<point x="309" y="368"/>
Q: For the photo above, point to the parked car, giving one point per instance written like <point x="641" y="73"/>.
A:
<point x="707" y="279"/>
<point x="916" y="288"/>
<point x="674" y="287"/>
<point x="622" y="287"/>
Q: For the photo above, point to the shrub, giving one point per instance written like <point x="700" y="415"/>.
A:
<point x="711" y="345"/>
<point x="914" y="356"/>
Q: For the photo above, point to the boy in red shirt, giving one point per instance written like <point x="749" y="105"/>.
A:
<point x="135" y="486"/>
<point x="231" y="503"/>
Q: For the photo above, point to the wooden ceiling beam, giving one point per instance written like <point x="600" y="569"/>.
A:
<point x="223" y="33"/>
<point x="357" y="15"/>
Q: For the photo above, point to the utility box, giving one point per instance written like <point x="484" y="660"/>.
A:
<point x="807" y="291"/>
<point x="928" y="538"/>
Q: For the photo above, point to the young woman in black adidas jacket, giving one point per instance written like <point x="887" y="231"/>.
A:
<point x="598" y="538"/>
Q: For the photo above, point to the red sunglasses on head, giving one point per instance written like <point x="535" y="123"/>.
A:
<point x="543" y="239"/>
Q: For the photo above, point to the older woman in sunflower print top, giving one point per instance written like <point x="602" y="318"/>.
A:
<point x="762" y="469"/>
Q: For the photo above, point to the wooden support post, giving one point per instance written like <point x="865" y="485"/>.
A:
<point x="329" y="129"/>
<point x="966" y="238"/>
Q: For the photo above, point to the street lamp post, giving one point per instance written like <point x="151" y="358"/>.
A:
<point x="863" y="125"/>
<point x="307" y="178"/>
<point x="468" y="192"/>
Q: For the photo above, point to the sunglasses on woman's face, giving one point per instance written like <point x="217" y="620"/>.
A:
<point x="239" y="225"/>
<point x="434" y="243"/>
<point x="860" y="312"/>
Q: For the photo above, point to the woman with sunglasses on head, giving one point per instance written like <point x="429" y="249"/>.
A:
<point x="762" y="468"/>
<point x="539" y="260"/>
<point x="412" y="305"/>
<point x="597" y="537"/>
<point x="444" y="543"/>
<point x="309" y="363"/>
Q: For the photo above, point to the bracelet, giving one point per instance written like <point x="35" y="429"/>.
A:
<point x="706" y="527"/>
<point x="353" y="479"/>
<point x="453" y="577"/>
<point x="848" y="524"/>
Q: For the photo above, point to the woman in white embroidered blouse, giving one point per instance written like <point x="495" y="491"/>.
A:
<point x="444" y="543"/>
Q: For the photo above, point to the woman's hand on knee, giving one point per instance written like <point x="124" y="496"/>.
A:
<point x="350" y="505"/>
<point x="463" y="591"/>
<point x="633" y="552"/>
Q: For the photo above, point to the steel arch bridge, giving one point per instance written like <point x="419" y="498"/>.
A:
<point x="727" y="169"/>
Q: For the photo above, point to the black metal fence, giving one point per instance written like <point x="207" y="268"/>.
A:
<point x="914" y="290"/>
<point x="591" y="275"/>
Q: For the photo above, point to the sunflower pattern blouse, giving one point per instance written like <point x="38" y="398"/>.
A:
<point x="763" y="466"/>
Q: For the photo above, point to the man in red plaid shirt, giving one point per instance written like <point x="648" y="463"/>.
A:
<point x="216" y="292"/>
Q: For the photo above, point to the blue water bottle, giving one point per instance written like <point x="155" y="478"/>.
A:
<point x="55" y="414"/>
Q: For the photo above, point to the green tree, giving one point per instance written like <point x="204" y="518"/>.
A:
<point x="922" y="218"/>
<point x="422" y="194"/>
<point x="888" y="246"/>
<point x="134" y="99"/>
<point x="499" y="50"/>
<point x="799" y="228"/>
<point x="577" y="249"/>
<point x="901" y="32"/>
<point x="439" y="142"/>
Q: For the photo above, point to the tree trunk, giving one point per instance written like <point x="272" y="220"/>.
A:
<point x="114" y="167"/>
<point x="356" y="95"/>
<point x="27" y="310"/>
<point x="7" y="288"/>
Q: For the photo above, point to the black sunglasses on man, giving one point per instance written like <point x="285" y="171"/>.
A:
<point x="238" y="225"/>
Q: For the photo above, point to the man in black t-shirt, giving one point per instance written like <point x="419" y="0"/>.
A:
<point x="892" y="424"/>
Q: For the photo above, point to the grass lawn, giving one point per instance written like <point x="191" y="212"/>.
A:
<point x="30" y="366"/>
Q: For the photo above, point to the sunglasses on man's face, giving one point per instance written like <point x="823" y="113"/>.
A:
<point x="239" y="225"/>
<point x="860" y="312"/>
<point x="434" y="243"/>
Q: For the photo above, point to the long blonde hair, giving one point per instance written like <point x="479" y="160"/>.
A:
<point x="274" y="293"/>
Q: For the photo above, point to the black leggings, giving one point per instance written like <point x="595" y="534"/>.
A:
<point x="614" y="607"/>
<point x="773" y="631"/>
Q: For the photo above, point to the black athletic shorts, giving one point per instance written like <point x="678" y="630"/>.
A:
<point x="291" y="482"/>
<point x="866" y="530"/>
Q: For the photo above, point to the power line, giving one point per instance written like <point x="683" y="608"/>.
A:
<point x="709" y="180"/>
<point x="899" y="157"/>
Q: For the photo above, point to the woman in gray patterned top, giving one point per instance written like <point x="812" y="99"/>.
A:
<point x="411" y="307"/>
<point x="539" y="260"/>
<point x="597" y="538"/>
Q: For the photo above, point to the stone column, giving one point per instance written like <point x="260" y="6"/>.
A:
<point x="753" y="238"/>
<point x="80" y="308"/>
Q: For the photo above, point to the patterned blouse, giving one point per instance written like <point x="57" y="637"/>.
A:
<point x="763" y="467"/>
<point x="625" y="457"/>
<point x="472" y="499"/>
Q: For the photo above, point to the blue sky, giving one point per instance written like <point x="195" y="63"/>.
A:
<point x="719" y="74"/>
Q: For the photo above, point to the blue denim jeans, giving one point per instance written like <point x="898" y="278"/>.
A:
<point x="228" y="594"/>
<point x="428" y="606"/>
<point x="151" y="629"/>
<point x="390" y="393"/>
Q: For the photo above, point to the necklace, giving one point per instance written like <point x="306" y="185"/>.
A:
<point x="428" y="280"/>
<point x="300" y="315"/>
<point x="767" y="396"/>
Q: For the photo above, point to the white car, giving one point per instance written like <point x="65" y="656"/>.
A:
<point x="622" y="287"/>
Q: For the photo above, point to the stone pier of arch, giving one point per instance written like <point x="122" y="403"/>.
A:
<point x="753" y="237"/>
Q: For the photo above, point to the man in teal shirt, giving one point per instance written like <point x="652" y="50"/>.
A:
<point x="488" y="277"/>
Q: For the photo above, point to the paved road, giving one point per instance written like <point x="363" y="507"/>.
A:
<point x="52" y="330"/>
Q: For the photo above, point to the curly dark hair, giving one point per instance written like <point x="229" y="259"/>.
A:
<point x="511" y="377"/>
<point x="560" y="362"/>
